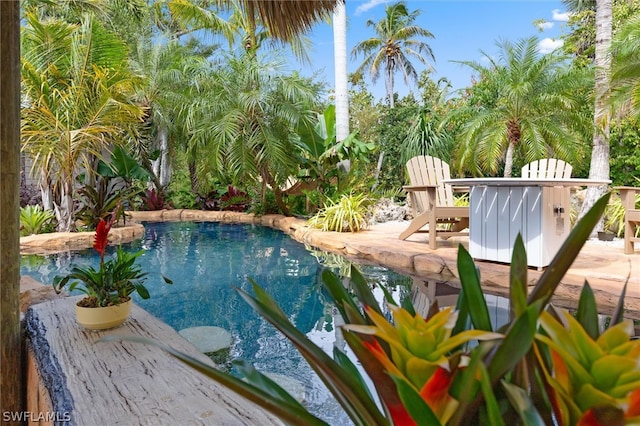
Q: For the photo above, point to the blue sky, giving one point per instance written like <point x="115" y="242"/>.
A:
<point x="462" y="28"/>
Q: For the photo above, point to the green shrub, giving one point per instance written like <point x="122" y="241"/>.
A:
<point x="349" y="214"/>
<point x="35" y="220"/>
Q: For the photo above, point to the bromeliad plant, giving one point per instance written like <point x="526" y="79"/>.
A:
<point x="115" y="279"/>
<point x="451" y="367"/>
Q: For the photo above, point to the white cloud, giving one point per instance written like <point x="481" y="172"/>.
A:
<point x="559" y="16"/>
<point x="548" y="45"/>
<point x="369" y="5"/>
<point x="546" y="25"/>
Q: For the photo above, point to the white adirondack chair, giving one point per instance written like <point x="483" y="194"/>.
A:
<point x="432" y="201"/>
<point x="547" y="168"/>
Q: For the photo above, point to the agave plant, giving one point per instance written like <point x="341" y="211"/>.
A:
<point x="451" y="367"/>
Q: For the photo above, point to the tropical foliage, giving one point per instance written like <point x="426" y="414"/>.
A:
<point x="78" y="102"/>
<point x="35" y="220"/>
<point x="530" y="106"/>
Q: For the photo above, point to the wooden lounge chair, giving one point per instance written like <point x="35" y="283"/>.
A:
<point x="432" y="201"/>
<point x="547" y="168"/>
<point x="631" y="216"/>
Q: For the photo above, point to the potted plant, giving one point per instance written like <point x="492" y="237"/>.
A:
<point x="108" y="289"/>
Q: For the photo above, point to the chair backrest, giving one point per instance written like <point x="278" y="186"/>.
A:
<point x="427" y="170"/>
<point x="547" y="168"/>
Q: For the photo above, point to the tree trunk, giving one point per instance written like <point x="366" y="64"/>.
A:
<point x="389" y="87"/>
<point x="508" y="160"/>
<point x="65" y="211"/>
<point x="599" y="168"/>
<point x="161" y="166"/>
<point x="46" y="190"/>
<point x="341" y="88"/>
<point x="377" y="171"/>
<point x="193" y="177"/>
<point x="11" y="371"/>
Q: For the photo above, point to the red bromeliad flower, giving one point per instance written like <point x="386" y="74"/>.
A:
<point x="101" y="238"/>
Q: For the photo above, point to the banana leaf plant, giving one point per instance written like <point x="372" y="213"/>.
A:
<point x="451" y="367"/>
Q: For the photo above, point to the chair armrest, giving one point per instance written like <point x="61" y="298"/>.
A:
<point x="628" y="196"/>
<point x="415" y="188"/>
<point x="460" y="188"/>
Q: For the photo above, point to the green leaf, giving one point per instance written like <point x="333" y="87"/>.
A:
<point x="363" y="292"/>
<point x="518" y="278"/>
<point x="523" y="405"/>
<point x="515" y="345"/>
<point x="618" y="315"/>
<point x="345" y="362"/>
<point x="263" y="382"/>
<point x="341" y="298"/>
<point x="290" y="413"/>
<point x="355" y="401"/>
<point x="491" y="403"/>
<point x="417" y="408"/>
<point x="567" y="253"/>
<point x="474" y="296"/>
<point x="587" y="314"/>
<point x="465" y="385"/>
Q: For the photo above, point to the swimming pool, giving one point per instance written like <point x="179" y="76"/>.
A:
<point x="206" y="260"/>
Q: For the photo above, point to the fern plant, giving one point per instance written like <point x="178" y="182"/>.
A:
<point x="35" y="220"/>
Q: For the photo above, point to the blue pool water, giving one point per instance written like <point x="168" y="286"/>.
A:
<point x="206" y="260"/>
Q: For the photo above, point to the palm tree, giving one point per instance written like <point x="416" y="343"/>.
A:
<point x="599" y="168"/>
<point x="625" y="69"/>
<point x="393" y="46"/>
<point x="79" y="101"/>
<point x="534" y="110"/>
<point x="246" y="118"/>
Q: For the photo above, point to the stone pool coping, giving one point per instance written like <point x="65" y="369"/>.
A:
<point x="606" y="268"/>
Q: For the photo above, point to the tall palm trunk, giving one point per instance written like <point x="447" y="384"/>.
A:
<point x="508" y="159"/>
<point x="599" y="168"/>
<point x="11" y="383"/>
<point x="389" y="83"/>
<point x="341" y="88"/>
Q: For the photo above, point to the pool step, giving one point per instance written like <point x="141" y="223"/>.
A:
<point x="207" y="339"/>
